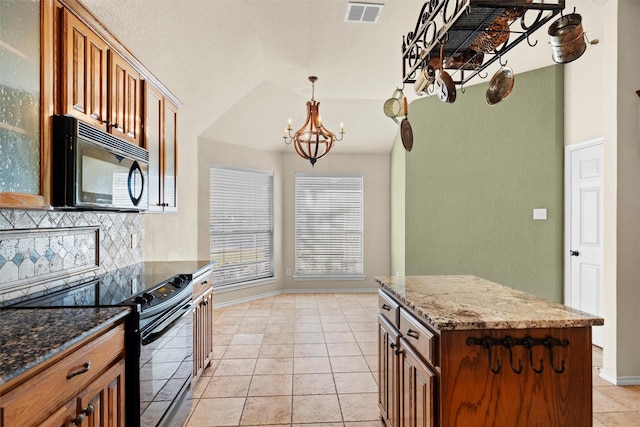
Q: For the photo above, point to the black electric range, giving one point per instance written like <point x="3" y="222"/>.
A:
<point x="158" y="330"/>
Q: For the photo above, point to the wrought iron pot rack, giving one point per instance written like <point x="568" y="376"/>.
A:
<point x="456" y="24"/>
<point x="495" y="365"/>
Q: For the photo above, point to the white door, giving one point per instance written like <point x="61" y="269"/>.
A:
<point x="584" y="255"/>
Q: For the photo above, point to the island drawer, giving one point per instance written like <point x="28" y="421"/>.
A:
<point x="389" y="309"/>
<point x="419" y="336"/>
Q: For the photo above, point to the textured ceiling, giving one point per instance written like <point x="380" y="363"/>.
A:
<point x="240" y="67"/>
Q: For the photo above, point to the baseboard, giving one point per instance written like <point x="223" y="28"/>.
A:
<point x="620" y="380"/>
<point x="294" y="291"/>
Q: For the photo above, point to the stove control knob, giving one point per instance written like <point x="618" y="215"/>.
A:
<point x="140" y="300"/>
<point x="147" y="296"/>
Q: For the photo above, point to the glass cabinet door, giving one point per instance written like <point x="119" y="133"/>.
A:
<point x="20" y="96"/>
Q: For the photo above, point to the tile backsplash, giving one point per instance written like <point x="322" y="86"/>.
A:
<point x="42" y="249"/>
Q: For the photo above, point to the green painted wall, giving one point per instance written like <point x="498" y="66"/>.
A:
<point x="473" y="178"/>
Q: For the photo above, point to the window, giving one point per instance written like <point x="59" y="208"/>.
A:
<point x="329" y="218"/>
<point x="241" y="224"/>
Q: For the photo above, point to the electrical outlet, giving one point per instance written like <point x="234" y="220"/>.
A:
<point x="288" y="272"/>
<point x="134" y="241"/>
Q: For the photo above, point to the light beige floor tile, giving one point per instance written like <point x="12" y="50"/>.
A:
<point x="247" y="339"/>
<point x="335" y="327"/>
<point x="628" y="397"/>
<point x="271" y="385"/>
<point x="335" y="318"/>
<point x="217" y="412"/>
<point x="241" y="352"/>
<point x="309" y="337"/>
<point x="366" y="336"/>
<point x="233" y="311"/>
<point x="313" y="384"/>
<point x="368" y="348"/>
<point x="251" y="319"/>
<point x="339" y="337"/>
<point x="316" y="409"/>
<point x="619" y="419"/>
<point x="355" y="382"/>
<point x="274" y="366"/>
<point x="221" y="339"/>
<point x="228" y="320"/>
<point x="225" y="329"/>
<point x="319" y="425"/>
<point x="260" y="312"/>
<point x="344" y="349"/>
<point x="252" y="328"/>
<point x="230" y="367"/>
<point x="267" y="410"/>
<point x="372" y="361"/>
<point x="278" y="338"/>
<point x="311" y="365"/>
<point x="364" y="326"/>
<point x="200" y="386"/>
<point x="359" y="406"/>
<point x="309" y="350"/>
<point x="306" y="318"/>
<point x="218" y="351"/>
<point x="597" y="380"/>
<point x="280" y="319"/>
<point x="211" y="368"/>
<point x="597" y="423"/>
<point x="228" y="386"/>
<point x="277" y="328"/>
<point x="349" y="364"/>
<point x="308" y="327"/>
<point x="276" y="350"/>
<point x="329" y="311"/>
<point x="365" y="424"/>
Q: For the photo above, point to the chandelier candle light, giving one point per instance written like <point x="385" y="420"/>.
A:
<point x="312" y="141"/>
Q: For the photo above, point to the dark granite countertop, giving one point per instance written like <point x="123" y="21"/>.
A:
<point x="28" y="337"/>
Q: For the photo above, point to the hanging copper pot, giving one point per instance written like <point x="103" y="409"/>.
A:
<point x="500" y="86"/>
<point x="568" y="41"/>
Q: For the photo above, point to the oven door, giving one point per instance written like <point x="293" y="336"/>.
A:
<point x="166" y="364"/>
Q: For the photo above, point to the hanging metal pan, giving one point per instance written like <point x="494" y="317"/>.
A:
<point x="406" y="132"/>
<point x="500" y="86"/>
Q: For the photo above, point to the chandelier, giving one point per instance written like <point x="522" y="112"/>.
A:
<point x="312" y="141"/>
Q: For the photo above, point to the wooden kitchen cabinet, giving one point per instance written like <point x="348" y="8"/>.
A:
<point x="84" y="383"/>
<point x="84" y="72"/>
<point x="160" y="127"/>
<point x="202" y="323"/>
<point x="125" y="88"/>
<point x="417" y="389"/>
<point x="388" y="370"/>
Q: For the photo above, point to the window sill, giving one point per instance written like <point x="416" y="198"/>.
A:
<point x="244" y="285"/>
<point x="333" y="278"/>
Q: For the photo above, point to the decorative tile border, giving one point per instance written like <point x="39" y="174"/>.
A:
<point x="32" y="243"/>
<point x="28" y="257"/>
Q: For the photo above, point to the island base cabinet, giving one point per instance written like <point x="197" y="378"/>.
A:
<point x="417" y="390"/>
<point x="388" y="372"/>
<point x="542" y="387"/>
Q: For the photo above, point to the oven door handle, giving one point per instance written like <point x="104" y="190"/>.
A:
<point x="165" y="326"/>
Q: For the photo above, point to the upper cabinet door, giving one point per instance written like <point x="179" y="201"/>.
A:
<point x="84" y="56"/>
<point x="170" y="149"/>
<point x="124" y="99"/>
<point x="153" y="142"/>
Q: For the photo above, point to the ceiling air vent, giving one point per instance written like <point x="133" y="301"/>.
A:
<point x="363" y="12"/>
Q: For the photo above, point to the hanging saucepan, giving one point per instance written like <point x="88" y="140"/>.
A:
<point x="500" y="85"/>
<point x="567" y="38"/>
<point x="406" y="133"/>
<point x="445" y="87"/>
<point x="424" y="79"/>
<point x="393" y="106"/>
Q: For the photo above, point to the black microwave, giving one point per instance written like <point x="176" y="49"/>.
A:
<point x="92" y="169"/>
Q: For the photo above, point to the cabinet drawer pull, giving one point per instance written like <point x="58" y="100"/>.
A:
<point x="78" y="419"/>
<point x="413" y="334"/>
<point x="385" y="307"/>
<point x="84" y="369"/>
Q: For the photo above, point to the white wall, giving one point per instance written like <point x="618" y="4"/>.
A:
<point x="375" y="169"/>
<point x="601" y="101"/>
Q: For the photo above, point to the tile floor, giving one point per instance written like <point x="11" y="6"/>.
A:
<point x="311" y="359"/>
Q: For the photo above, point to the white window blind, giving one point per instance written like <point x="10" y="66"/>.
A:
<point x="329" y="216"/>
<point x="241" y="224"/>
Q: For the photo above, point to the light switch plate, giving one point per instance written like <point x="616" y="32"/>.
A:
<point x="540" y="213"/>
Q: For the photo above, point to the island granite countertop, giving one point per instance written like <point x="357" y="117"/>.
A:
<point x="29" y="336"/>
<point x="469" y="302"/>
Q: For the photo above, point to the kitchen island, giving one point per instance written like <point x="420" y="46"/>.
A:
<point x="464" y="351"/>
